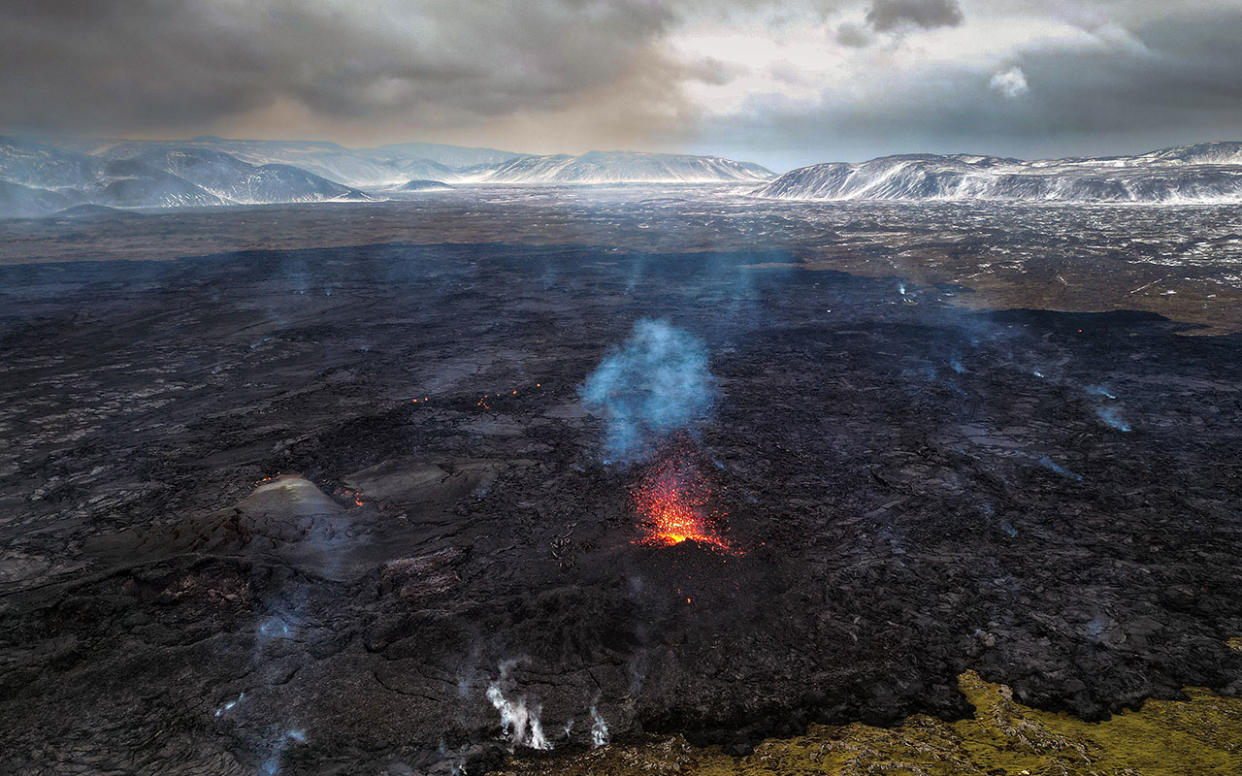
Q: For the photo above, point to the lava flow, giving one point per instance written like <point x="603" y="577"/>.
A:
<point x="673" y="500"/>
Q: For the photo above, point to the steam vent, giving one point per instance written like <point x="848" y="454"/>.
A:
<point x="621" y="388"/>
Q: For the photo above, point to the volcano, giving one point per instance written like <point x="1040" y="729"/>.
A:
<point x="674" y="501"/>
<point x="863" y="498"/>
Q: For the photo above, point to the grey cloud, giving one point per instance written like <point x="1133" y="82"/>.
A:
<point x="602" y="70"/>
<point x="1175" y="82"/>
<point x="1183" y="73"/>
<point x="886" y="15"/>
<point x="852" y="35"/>
<point x="124" y="65"/>
<point x="134" y="66"/>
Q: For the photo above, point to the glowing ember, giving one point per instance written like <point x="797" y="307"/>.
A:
<point x="352" y="494"/>
<point x="673" y="501"/>
<point x="489" y="398"/>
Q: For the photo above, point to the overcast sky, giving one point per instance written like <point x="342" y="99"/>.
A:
<point x="781" y="83"/>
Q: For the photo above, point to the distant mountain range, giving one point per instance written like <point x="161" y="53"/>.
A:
<point x="37" y="178"/>
<point x="1207" y="172"/>
<point x="355" y="168"/>
<point x="599" y="167"/>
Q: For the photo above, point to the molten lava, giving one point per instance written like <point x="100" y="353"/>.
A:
<point x="674" y="500"/>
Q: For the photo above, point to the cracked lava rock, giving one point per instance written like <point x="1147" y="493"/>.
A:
<point x="257" y="518"/>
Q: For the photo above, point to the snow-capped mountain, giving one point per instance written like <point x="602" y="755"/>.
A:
<point x="239" y="182"/>
<point x="206" y="171"/>
<point x="21" y="201"/>
<point x="598" y="167"/>
<point x="347" y="167"/>
<point x="1208" y="172"/>
<point x="56" y="178"/>
<point x="43" y="166"/>
<point x="1200" y="153"/>
<point x="40" y="179"/>
<point x="453" y="157"/>
<point x="131" y="183"/>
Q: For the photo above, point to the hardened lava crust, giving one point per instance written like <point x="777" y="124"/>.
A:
<point x="341" y="510"/>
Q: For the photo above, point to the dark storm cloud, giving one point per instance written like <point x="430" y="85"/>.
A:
<point x="886" y="15"/>
<point x="558" y="73"/>
<point x="1164" y="82"/>
<point x="142" y="64"/>
<point x="1184" y="71"/>
<point x="168" y="65"/>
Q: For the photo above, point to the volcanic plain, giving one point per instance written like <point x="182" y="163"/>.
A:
<point x="331" y="502"/>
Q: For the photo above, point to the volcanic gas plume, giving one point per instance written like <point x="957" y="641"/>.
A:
<point x="652" y="391"/>
<point x="656" y="384"/>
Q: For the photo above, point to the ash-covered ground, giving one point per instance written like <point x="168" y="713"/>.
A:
<point x="234" y="542"/>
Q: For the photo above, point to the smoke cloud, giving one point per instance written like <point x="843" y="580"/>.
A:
<point x="520" y="724"/>
<point x="656" y="383"/>
<point x="599" y="729"/>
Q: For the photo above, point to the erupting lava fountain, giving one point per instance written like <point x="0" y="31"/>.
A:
<point x="673" y="501"/>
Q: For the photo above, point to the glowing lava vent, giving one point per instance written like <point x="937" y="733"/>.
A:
<point x="673" y="501"/>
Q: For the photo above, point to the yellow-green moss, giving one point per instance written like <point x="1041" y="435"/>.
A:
<point x="1201" y="736"/>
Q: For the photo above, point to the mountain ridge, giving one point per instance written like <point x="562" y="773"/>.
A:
<point x="1201" y="172"/>
<point x="209" y="171"/>
<point x="40" y="179"/>
<point x="604" y="167"/>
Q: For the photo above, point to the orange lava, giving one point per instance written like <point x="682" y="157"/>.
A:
<point x="673" y="501"/>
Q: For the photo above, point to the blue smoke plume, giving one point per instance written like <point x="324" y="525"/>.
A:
<point x="1112" y="416"/>
<point x="656" y="383"/>
<point x="1053" y="466"/>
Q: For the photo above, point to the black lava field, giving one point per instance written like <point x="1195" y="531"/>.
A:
<point x="343" y="510"/>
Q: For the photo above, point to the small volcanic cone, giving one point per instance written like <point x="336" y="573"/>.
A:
<point x="674" y="503"/>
